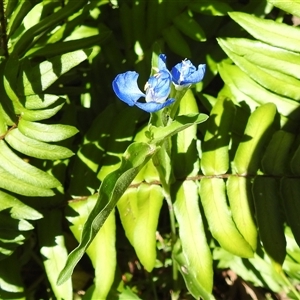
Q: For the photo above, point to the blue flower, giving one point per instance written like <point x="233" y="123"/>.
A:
<point x="185" y="73"/>
<point x="157" y="89"/>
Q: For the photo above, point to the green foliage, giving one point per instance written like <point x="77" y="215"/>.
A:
<point x="215" y="186"/>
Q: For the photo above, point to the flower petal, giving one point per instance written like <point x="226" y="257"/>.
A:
<point x="162" y="62"/>
<point x="185" y="73"/>
<point x="197" y="76"/>
<point x="126" y="88"/>
<point x="158" y="87"/>
<point x="152" y="107"/>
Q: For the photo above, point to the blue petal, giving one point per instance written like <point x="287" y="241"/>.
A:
<point x="176" y="74"/>
<point x="162" y="62"/>
<point x="196" y="76"/>
<point x="185" y="73"/>
<point x="152" y="107"/>
<point x="126" y="88"/>
<point x="158" y="87"/>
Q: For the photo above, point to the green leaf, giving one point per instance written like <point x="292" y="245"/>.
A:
<point x="290" y="193"/>
<point x="49" y="22"/>
<point x="243" y="83"/>
<point x="270" y="277"/>
<point x="11" y="183"/>
<point x="118" y="138"/>
<point x="295" y="162"/>
<point x="276" y="82"/>
<point x="11" y="283"/>
<point x="192" y="235"/>
<point x="139" y="211"/>
<point x="188" y="26"/>
<point x="269" y="217"/>
<point x="184" y="154"/>
<point x="221" y="224"/>
<point x="22" y="170"/>
<point x="158" y="134"/>
<point x="19" y="12"/>
<point x="291" y="6"/>
<point x="212" y="7"/>
<point x="90" y="156"/>
<point x="34" y="148"/>
<point x="176" y="42"/>
<point x="191" y="282"/>
<point x="215" y="156"/>
<point x="46" y="132"/>
<point x="277" y="155"/>
<point x="269" y="31"/>
<point x="40" y="77"/>
<point x="41" y="101"/>
<point x="248" y="155"/>
<point x="70" y="45"/>
<point x="112" y="188"/>
<point x="242" y="208"/>
<point x="264" y="55"/>
<point x="7" y="223"/>
<point x="101" y="251"/>
<point x="231" y="89"/>
<point x="54" y="252"/>
<point x="127" y="293"/>
<point x="18" y="209"/>
<point x="148" y="173"/>
<point x="292" y="248"/>
<point x="42" y="114"/>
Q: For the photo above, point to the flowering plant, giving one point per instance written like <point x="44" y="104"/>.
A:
<point x="158" y="87"/>
<point x="163" y="93"/>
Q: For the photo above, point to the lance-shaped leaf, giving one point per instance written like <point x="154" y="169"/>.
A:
<point x="278" y="153"/>
<point x="212" y="8"/>
<point x="264" y="55"/>
<point x="241" y="206"/>
<point x="24" y="171"/>
<point x="139" y="211"/>
<point x="11" y="183"/>
<point x="243" y="83"/>
<point x="215" y="156"/>
<point x="111" y="189"/>
<point x="11" y="283"/>
<point x="276" y="82"/>
<point x="180" y="123"/>
<point x="46" y="132"/>
<point x="41" y="114"/>
<point x="36" y="148"/>
<point x="269" y="31"/>
<point x="38" y="78"/>
<point x="18" y="209"/>
<point x="192" y="235"/>
<point x="102" y="250"/>
<point x="54" y="251"/>
<point x="184" y="155"/>
<point x="40" y="101"/>
<point x="292" y="7"/>
<point x="47" y="23"/>
<point x="188" y="275"/>
<point x="221" y="224"/>
<point x="248" y="155"/>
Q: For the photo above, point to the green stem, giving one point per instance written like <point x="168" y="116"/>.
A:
<point x="289" y="284"/>
<point x="153" y="287"/>
<point x="166" y="182"/>
<point x="177" y="95"/>
<point x="163" y="165"/>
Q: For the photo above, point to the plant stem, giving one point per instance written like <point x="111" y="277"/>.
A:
<point x="291" y="287"/>
<point x="178" y="95"/>
<point x="3" y="36"/>
<point x="164" y="175"/>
